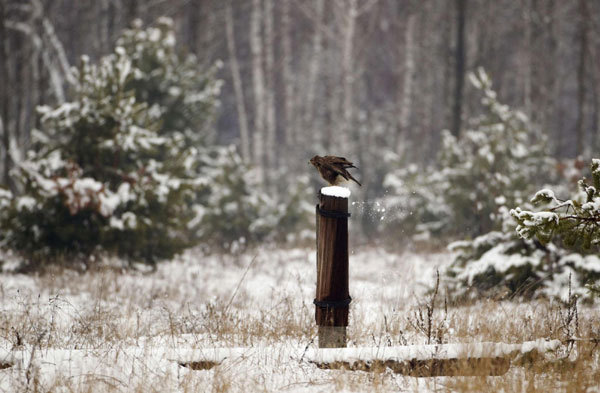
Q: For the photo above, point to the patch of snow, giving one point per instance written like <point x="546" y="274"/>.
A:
<point x="336" y="191"/>
<point x="132" y="330"/>
<point x="26" y="203"/>
<point x="424" y="352"/>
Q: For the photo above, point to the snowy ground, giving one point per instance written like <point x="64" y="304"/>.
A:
<point x="129" y="331"/>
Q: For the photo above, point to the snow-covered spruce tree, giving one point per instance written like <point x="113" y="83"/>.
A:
<point x="535" y="253"/>
<point x="574" y="223"/>
<point x="239" y="213"/>
<point x="126" y="166"/>
<point x="109" y="171"/>
<point x="102" y="175"/>
<point x="495" y="164"/>
<point x="413" y="207"/>
<point x="169" y="82"/>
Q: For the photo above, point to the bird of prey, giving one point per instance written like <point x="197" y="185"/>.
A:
<point x="333" y="169"/>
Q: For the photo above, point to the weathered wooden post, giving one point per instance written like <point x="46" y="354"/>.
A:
<point x="332" y="300"/>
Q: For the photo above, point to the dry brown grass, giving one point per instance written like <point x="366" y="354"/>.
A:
<point x="110" y="309"/>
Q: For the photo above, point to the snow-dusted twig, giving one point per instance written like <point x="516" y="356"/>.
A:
<point x="239" y="284"/>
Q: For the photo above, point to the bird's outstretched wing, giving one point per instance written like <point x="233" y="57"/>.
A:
<point x="340" y="161"/>
<point x="339" y="165"/>
<point x="352" y="177"/>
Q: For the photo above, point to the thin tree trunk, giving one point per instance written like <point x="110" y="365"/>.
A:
<point x="103" y="26"/>
<point x="348" y="76"/>
<point x="270" y="151"/>
<point x="237" y="84"/>
<point x="192" y="36"/>
<point x="446" y="49"/>
<point x="5" y="95"/>
<point x="528" y="69"/>
<point x="554" y="111"/>
<point x="596" y="112"/>
<point x="314" y="67"/>
<point x="36" y="93"/>
<point x="288" y="80"/>
<point x="19" y="89"/>
<point x="333" y="102"/>
<point x="132" y="11"/>
<point x="51" y="40"/>
<point x="258" y="83"/>
<point x="581" y="74"/>
<point x="459" y="71"/>
<point x="30" y="97"/>
<point x="407" y="85"/>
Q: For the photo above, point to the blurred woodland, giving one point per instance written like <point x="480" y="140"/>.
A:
<point x="347" y="77"/>
<point x="140" y="128"/>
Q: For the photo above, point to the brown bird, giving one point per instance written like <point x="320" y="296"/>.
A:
<point x="333" y="169"/>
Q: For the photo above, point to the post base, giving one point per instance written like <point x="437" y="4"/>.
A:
<point x="332" y="336"/>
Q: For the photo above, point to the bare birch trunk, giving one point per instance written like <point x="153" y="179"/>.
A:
<point x="237" y="85"/>
<point x="258" y="83"/>
<point x="19" y="98"/>
<point x="348" y="76"/>
<point x="103" y="27"/>
<point x="581" y="78"/>
<point x="333" y="103"/>
<point x="288" y="81"/>
<point x="50" y="39"/>
<point x="270" y="151"/>
<point x="528" y="69"/>
<point x="4" y="110"/>
<point x="309" y="121"/>
<point x="595" y="128"/>
<point x="459" y="67"/>
<point x="131" y="11"/>
<point x="407" y="85"/>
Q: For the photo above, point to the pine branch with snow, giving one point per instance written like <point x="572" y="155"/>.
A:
<point x="537" y="252"/>
<point x="576" y="221"/>
<point x="497" y="162"/>
<point x="108" y="171"/>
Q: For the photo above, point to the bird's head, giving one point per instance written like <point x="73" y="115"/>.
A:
<point x="314" y="160"/>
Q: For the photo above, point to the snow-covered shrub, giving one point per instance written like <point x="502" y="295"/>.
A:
<point x="574" y="223"/>
<point x="239" y="213"/>
<point x="575" y="220"/>
<point x="536" y="252"/>
<point x="107" y="172"/>
<point x="170" y="82"/>
<point x="494" y="164"/>
<point x="413" y="206"/>
<point x="501" y="265"/>
<point x="126" y="166"/>
<point x="102" y="175"/>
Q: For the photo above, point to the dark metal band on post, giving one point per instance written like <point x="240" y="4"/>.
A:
<point x="332" y="213"/>
<point x="332" y="303"/>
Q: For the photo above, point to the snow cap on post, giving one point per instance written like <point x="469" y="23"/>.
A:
<point x="336" y="191"/>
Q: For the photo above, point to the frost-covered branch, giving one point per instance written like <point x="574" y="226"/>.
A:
<point x="49" y="45"/>
<point x="576" y="220"/>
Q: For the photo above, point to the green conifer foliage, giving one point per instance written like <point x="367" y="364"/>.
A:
<point x="170" y="82"/>
<point x="110" y="170"/>
<point x="576" y="220"/>
<point x="537" y="253"/>
<point x="497" y="161"/>
<point x="495" y="165"/>
<point x="127" y="166"/>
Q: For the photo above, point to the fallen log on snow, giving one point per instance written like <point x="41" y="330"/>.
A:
<point x="432" y="360"/>
<point x="414" y="360"/>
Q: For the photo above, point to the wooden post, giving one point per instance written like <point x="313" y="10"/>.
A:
<point x="332" y="299"/>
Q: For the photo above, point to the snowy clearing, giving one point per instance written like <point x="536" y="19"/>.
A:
<point x="110" y="330"/>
